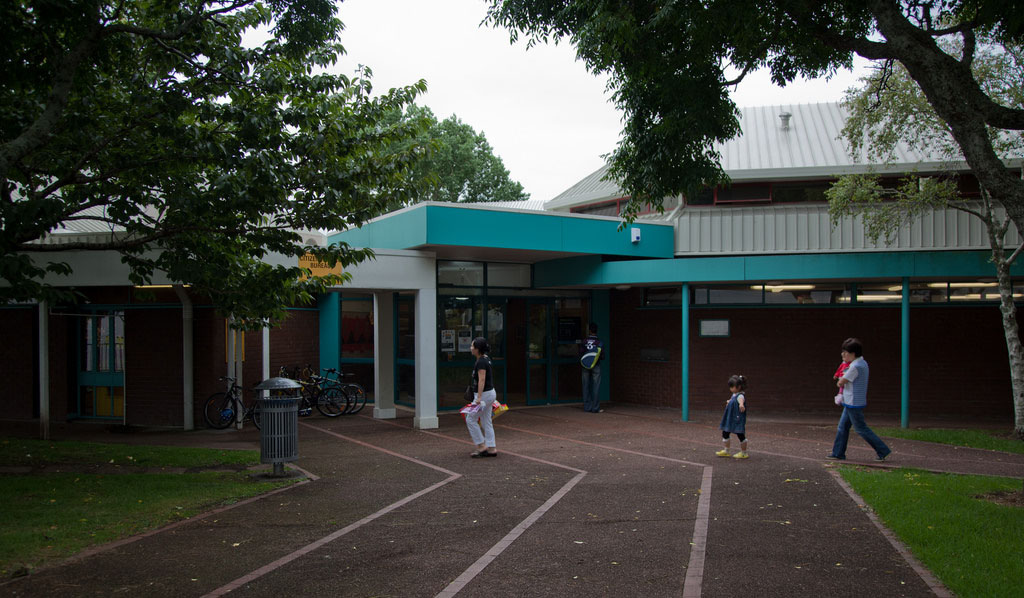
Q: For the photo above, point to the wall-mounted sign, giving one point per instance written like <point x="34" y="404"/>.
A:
<point x="714" y="328"/>
<point x="317" y="267"/>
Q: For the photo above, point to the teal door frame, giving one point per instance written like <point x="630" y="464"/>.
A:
<point x="549" y="304"/>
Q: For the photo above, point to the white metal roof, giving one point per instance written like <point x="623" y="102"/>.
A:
<point x="810" y="147"/>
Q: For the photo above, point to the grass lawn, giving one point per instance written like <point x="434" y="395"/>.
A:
<point x="26" y="451"/>
<point x="972" y="544"/>
<point x="981" y="439"/>
<point x="49" y="516"/>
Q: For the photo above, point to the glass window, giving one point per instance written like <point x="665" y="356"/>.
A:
<point x="508" y="275"/>
<point x="663" y="297"/>
<point x="805" y="293"/>
<point x="885" y="292"/>
<point x="741" y="193"/>
<point x="461" y="322"/>
<point x="961" y="292"/>
<point x="406" y="327"/>
<point x="462" y="274"/>
<point x="727" y="295"/>
<point x="356" y="326"/>
<point x="604" y="209"/>
<point x="799" y="192"/>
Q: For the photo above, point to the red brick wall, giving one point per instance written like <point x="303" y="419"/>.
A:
<point x="958" y="357"/>
<point x="153" y="367"/>
<point x="18" y="362"/>
<point x="296" y="341"/>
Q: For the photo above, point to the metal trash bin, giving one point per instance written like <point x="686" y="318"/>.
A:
<point x="279" y="422"/>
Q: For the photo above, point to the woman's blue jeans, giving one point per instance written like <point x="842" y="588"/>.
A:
<point x="855" y="418"/>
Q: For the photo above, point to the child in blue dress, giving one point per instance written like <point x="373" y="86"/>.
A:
<point x="734" y="420"/>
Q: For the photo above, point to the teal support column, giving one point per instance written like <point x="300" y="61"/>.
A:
<point x="601" y="312"/>
<point x="905" y="355"/>
<point x="330" y="330"/>
<point x="685" y="354"/>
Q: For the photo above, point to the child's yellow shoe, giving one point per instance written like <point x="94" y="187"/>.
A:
<point x="722" y="453"/>
<point x="741" y="455"/>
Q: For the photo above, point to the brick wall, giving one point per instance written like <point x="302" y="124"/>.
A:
<point x="958" y="357"/>
<point x="18" y="362"/>
<point x="296" y="341"/>
<point x="153" y="367"/>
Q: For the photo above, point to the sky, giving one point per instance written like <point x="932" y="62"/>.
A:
<point x="545" y="116"/>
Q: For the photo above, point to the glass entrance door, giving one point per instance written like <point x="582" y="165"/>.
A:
<point x="538" y="351"/>
<point x="101" y="366"/>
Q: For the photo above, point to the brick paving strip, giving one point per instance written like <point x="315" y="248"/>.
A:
<point x="452" y="476"/>
<point x="926" y="576"/>
<point x="495" y="551"/>
<point x="695" y="569"/>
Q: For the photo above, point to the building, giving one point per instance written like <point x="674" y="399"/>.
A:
<point x="751" y="278"/>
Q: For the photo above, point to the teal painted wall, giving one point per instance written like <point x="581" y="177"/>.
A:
<point x="840" y="266"/>
<point x="330" y="330"/>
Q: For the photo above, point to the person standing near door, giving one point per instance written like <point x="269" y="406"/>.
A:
<point x="591" y="352"/>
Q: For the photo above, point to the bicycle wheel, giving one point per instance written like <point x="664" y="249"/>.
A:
<point x="332" y="402"/>
<point x="358" y="398"/>
<point x="254" y="414"/>
<point x="219" y="411"/>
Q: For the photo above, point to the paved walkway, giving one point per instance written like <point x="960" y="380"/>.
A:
<point x="630" y="502"/>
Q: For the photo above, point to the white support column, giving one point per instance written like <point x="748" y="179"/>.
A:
<point x="44" y="370"/>
<point x="426" y="360"/>
<point x="384" y="355"/>
<point x="187" y="359"/>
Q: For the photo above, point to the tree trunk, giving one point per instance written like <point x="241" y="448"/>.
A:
<point x="1011" y="331"/>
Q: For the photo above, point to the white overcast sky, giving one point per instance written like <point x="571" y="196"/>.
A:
<point x="548" y="119"/>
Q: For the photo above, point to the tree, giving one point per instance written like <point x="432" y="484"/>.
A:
<point x="460" y="165"/>
<point x="199" y="153"/>
<point x="889" y="111"/>
<point x="671" y="65"/>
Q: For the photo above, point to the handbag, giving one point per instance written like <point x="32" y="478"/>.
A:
<point x="498" y="409"/>
<point x="468" y="396"/>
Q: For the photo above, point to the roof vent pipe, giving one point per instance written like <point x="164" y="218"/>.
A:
<point x="784" y="117"/>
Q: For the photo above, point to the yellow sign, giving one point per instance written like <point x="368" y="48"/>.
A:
<point x="317" y="267"/>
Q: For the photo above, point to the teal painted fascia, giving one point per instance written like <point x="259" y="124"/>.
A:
<point x="404" y="229"/>
<point x="475" y="227"/>
<point x="453" y="225"/>
<point x="829" y="266"/>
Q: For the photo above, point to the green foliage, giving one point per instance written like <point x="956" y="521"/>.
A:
<point x="671" y="66"/>
<point x="199" y="153"/>
<point x="885" y="210"/>
<point x="972" y="545"/>
<point x="980" y="439"/>
<point x="459" y="164"/>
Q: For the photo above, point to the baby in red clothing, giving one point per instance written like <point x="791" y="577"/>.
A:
<point x="836" y="376"/>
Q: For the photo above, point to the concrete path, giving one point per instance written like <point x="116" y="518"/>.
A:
<point x="629" y="502"/>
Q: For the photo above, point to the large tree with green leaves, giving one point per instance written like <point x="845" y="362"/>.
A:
<point x="671" y="66"/>
<point x="888" y="112"/>
<point x="459" y="165"/>
<point x="199" y="152"/>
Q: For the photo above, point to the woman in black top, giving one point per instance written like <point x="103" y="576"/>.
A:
<point x="479" y="422"/>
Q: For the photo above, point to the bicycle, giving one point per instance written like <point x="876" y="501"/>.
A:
<point x="305" y="405"/>
<point x="318" y="391"/>
<point x="354" y="392"/>
<point x="225" y="408"/>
